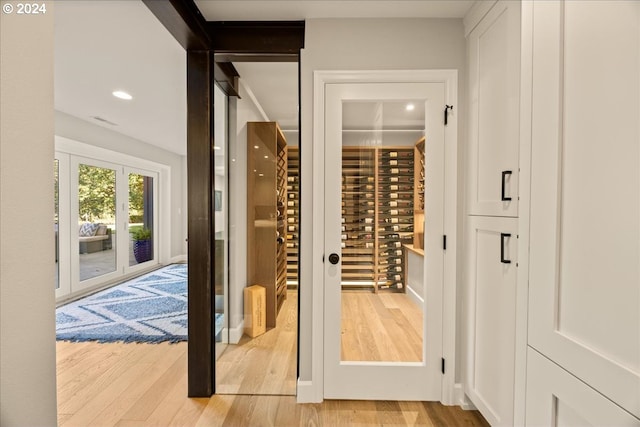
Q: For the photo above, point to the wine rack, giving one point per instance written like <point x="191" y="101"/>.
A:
<point x="419" y="195"/>
<point x="281" y="251"/>
<point x="292" y="230"/>
<point x="267" y="213"/>
<point x="395" y="214"/>
<point x="359" y="235"/>
<point x="377" y="215"/>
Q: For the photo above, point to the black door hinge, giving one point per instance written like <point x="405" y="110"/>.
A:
<point x="443" y="365"/>
<point x="446" y="113"/>
<point x="444" y="242"/>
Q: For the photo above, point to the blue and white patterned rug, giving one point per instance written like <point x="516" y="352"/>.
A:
<point x="151" y="308"/>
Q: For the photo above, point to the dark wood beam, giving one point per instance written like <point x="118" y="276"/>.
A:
<point x="257" y="37"/>
<point x="183" y="20"/>
<point x="227" y="77"/>
<point x="252" y="57"/>
<point x="201" y="344"/>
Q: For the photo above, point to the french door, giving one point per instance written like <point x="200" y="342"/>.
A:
<point x="383" y="335"/>
<point x="106" y="216"/>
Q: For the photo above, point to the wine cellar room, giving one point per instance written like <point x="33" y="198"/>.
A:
<point x="382" y="231"/>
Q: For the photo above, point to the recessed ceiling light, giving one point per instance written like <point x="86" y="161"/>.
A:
<point x="256" y="147"/>
<point x="215" y="147"/>
<point x="233" y="160"/>
<point x="260" y="174"/>
<point x="122" y="95"/>
<point x="266" y="157"/>
<point x="410" y="107"/>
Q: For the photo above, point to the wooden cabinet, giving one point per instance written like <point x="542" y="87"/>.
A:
<point x="491" y="316"/>
<point x="584" y="293"/>
<point x="494" y="81"/>
<point x="267" y="213"/>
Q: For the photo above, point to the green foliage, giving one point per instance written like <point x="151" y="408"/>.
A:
<point x="136" y="197"/>
<point x="142" y="233"/>
<point x="97" y="194"/>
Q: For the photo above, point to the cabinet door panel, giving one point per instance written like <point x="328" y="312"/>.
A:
<point x="584" y="291"/>
<point x="557" y="398"/>
<point x="491" y="300"/>
<point x="494" y="72"/>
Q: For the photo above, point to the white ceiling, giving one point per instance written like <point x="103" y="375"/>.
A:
<point x="275" y="86"/>
<point x="261" y="10"/>
<point x="102" y="46"/>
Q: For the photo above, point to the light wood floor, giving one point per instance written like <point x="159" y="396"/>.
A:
<point x="146" y="385"/>
<point x="266" y="364"/>
<point x="382" y="327"/>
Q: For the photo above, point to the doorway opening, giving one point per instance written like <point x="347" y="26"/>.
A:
<point x="256" y="352"/>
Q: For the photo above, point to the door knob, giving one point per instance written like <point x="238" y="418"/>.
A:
<point x="334" y="258"/>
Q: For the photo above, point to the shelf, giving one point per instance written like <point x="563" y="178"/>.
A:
<point x="293" y="195"/>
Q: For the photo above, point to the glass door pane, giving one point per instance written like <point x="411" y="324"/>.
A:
<point x="220" y="220"/>
<point x="141" y="218"/>
<point x="96" y="221"/>
<point x="381" y="322"/>
<point x="56" y="218"/>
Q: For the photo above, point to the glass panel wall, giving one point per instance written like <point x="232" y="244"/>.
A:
<point x="221" y="229"/>
<point x="56" y="217"/>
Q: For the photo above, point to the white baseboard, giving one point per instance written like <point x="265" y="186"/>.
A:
<point x="236" y="333"/>
<point x="462" y="399"/>
<point x="306" y="393"/>
<point x="415" y="297"/>
<point x="178" y="259"/>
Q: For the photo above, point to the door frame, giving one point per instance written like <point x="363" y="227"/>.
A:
<point x="313" y="391"/>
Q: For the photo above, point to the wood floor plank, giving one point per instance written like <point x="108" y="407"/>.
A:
<point x="133" y="378"/>
<point x="263" y="365"/>
<point x="174" y="380"/>
<point x="215" y="413"/>
<point x="85" y="388"/>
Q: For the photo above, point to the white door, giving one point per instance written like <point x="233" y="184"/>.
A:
<point x="494" y="80"/>
<point x="384" y="345"/>
<point x="98" y="206"/>
<point x="491" y="316"/>
<point x="584" y="279"/>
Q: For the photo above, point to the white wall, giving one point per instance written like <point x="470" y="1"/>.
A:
<point x="241" y="111"/>
<point x="27" y="302"/>
<point x="83" y="131"/>
<point x="366" y="44"/>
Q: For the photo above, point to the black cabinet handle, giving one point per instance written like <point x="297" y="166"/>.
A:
<point x="502" y="236"/>
<point x="334" y="258"/>
<point x="504" y="175"/>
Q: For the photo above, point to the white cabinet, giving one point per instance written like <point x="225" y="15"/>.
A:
<point x="494" y="81"/>
<point x="557" y="398"/>
<point x="490" y="307"/>
<point x="492" y="209"/>
<point x="584" y="275"/>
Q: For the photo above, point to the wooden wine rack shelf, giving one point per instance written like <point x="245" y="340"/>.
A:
<point x="377" y="215"/>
